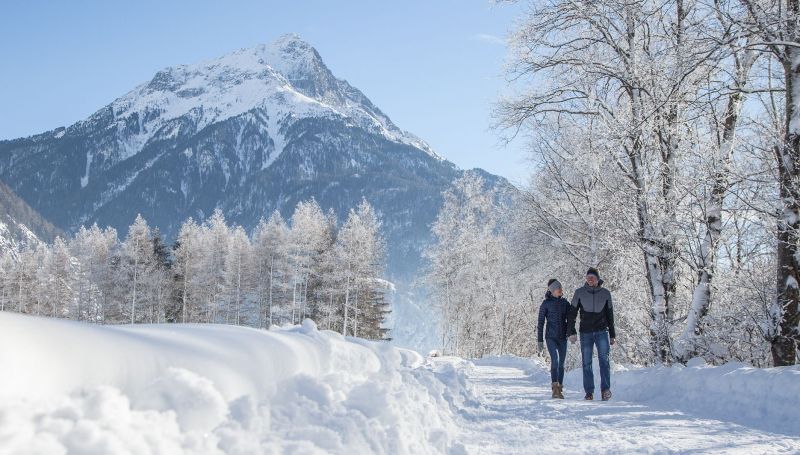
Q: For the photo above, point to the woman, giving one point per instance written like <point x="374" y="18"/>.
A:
<point x="554" y="310"/>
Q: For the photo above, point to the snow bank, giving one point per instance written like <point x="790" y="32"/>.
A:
<point x="68" y="387"/>
<point x="763" y="398"/>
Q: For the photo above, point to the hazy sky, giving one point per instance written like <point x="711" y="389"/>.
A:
<point x="434" y="66"/>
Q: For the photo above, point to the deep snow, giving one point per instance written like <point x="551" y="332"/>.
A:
<point x="68" y="387"/>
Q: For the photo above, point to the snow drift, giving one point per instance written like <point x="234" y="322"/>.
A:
<point x="77" y="388"/>
<point x="762" y="398"/>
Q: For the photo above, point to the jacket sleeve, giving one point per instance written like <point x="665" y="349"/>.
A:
<point x="572" y="315"/>
<point x="540" y="325"/>
<point x="610" y="317"/>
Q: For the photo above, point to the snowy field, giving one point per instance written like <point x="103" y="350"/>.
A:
<point x="67" y="387"/>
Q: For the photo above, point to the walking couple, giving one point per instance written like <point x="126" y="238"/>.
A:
<point x="593" y="302"/>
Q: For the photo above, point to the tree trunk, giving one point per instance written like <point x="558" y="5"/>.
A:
<point x="658" y="263"/>
<point x="20" y="287"/>
<point x="657" y="253"/>
<point x="183" y="297"/>
<point x="346" y="303"/>
<point x="135" y="276"/>
<point x="784" y="344"/>
<point x="239" y="291"/>
<point x="294" y="298"/>
<point x="305" y="298"/>
<point x="707" y="257"/>
<point x="355" y="315"/>
<point x="80" y="292"/>
<point x="271" y="275"/>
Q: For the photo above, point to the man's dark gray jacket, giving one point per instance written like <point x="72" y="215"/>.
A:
<point x="596" y="310"/>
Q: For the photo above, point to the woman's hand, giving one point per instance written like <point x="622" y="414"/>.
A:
<point x="574" y="338"/>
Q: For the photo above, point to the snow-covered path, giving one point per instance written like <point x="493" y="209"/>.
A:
<point x="517" y="415"/>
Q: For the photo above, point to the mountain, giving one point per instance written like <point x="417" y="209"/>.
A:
<point x="20" y="224"/>
<point x="252" y="131"/>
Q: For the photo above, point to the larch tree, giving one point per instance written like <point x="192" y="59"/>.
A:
<point x="306" y="238"/>
<point x="137" y="264"/>
<point x="270" y="253"/>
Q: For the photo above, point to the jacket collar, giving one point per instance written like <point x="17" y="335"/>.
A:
<point x="594" y="290"/>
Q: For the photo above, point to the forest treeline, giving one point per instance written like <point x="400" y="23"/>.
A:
<point x="281" y="273"/>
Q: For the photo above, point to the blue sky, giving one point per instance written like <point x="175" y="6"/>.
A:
<point x="435" y="67"/>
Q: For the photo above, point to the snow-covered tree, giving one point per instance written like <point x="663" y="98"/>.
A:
<point x="308" y="236"/>
<point x="94" y="250"/>
<point x="136" y="267"/>
<point x="214" y="237"/>
<point x="323" y="289"/>
<point x="7" y="267"/>
<point x="359" y="256"/>
<point x="239" y="277"/>
<point x="270" y="254"/>
<point x="58" y="279"/>
<point x="159" y="283"/>
<point x="775" y="24"/>
<point x="186" y="266"/>
<point x="470" y="275"/>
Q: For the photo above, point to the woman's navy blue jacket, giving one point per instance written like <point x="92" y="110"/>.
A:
<point x="553" y="310"/>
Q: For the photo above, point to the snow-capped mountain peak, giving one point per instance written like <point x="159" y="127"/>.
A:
<point x="286" y="78"/>
<point x="293" y="57"/>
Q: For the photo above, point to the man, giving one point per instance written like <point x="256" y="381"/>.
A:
<point x="597" y="324"/>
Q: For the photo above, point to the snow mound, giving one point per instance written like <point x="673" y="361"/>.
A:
<point x="68" y="387"/>
<point x="762" y="398"/>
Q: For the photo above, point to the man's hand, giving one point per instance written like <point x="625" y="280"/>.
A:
<point x="613" y="340"/>
<point x="539" y="347"/>
<point x="573" y="339"/>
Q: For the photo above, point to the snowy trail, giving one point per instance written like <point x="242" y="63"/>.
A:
<point x="517" y="415"/>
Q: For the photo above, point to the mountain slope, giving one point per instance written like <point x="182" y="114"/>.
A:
<point x="20" y="225"/>
<point x="252" y="131"/>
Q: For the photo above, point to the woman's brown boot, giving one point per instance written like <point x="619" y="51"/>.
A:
<point x="555" y="390"/>
<point x="560" y="391"/>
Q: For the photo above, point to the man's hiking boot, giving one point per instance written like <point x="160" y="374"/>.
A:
<point x="606" y="395"/>
<point x="555" y="390"/>
<point x="589" y="397"/>
<point x="560" y="391"/>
